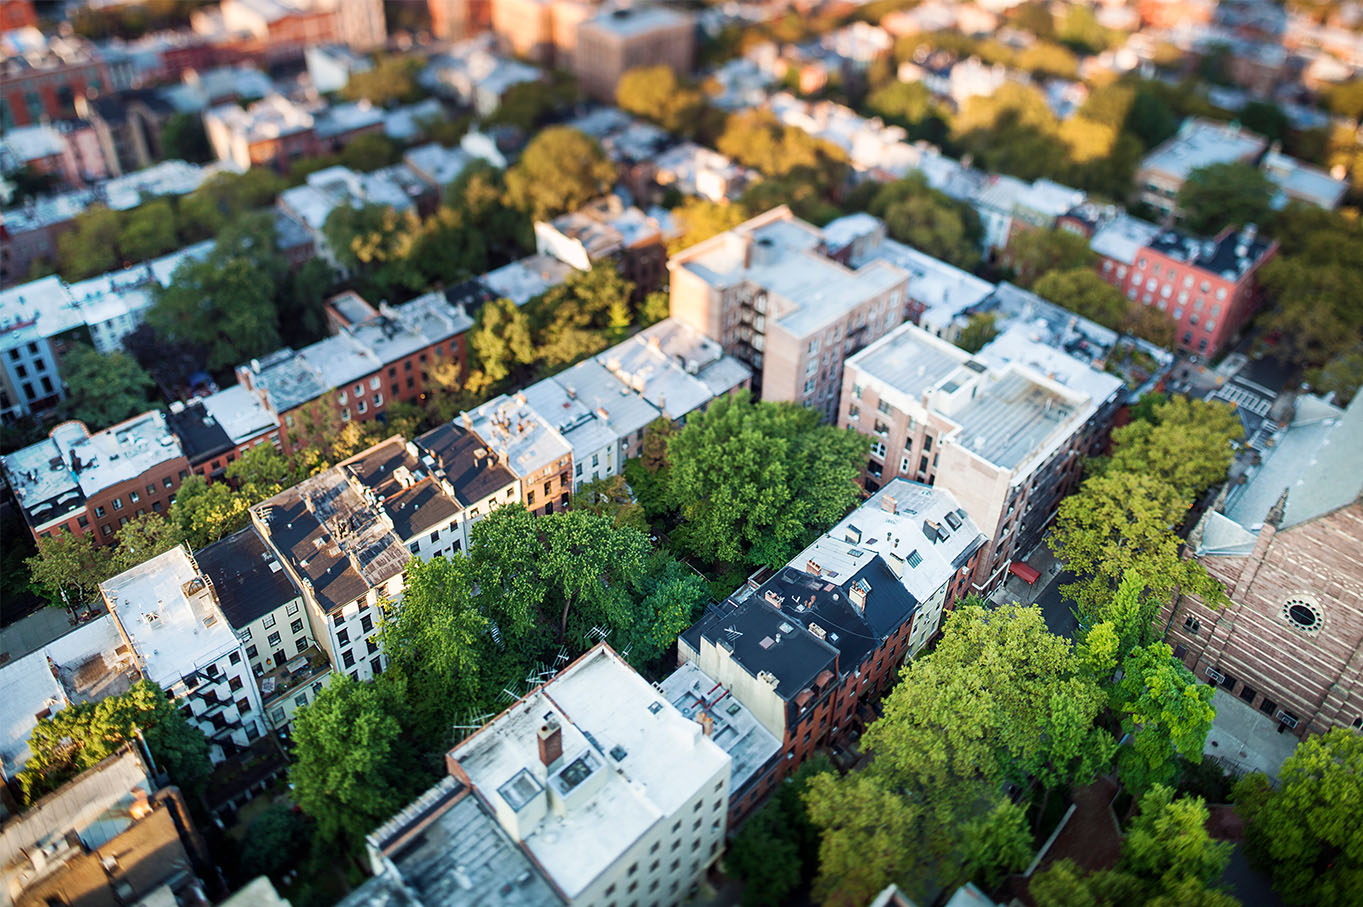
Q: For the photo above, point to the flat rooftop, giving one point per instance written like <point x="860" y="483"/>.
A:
<point x="239" y="412"/>
<point x="247" y="578"/>
<point x="91" y="462"/>
<point x="910" y="361"/>
<point x="1122" y="237"/>
<point x="1230" y="256"/>
<point x="1200" y="143"/>
<point x="643" y="761"/>
<point x="167" y="610"/>
<point x="613" y="401"/>
<point x="511" y="427"/>
<point x="523" y="280"/>
<point x="633" y="21"/>
<point x="736" y="730"/>
<point x="1011" y="418"/>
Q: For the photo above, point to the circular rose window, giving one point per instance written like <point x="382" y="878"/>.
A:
<point x="1303" y="614"/>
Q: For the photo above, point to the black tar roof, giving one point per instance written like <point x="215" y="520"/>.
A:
<point x="413" y="509"/>
<point x="299" y="536"/>
<point x="247" y="586"/>
<point x="751" y="628"/>
<point x="473" y="478"/>
<point x="200" y="434"/>
<point x="1220" y="255"/>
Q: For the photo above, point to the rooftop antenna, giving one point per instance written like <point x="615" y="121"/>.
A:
<point x="562" y="655"/>
<point x="598" y="633"/>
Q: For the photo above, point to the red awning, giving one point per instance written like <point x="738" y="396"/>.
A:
<point x="1018" y="568"/>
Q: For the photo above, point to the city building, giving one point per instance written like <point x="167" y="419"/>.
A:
<point x="608" y="230"/>
<point x="1283" y="542"/>
<point x="527" y="445"/>
<point x="330" y="66"/>
<point x="272" y="132"/>
<point x="282" y="30"/>
<point x="693" y="169"/>
<point x="469" y="472"/>
<point x="83" y="665"/>
<point x="422" y="857"/>
<point x="1302" y="182"/>
<point x="617" y="40"/>
<point x="29" y="232"/>
<point x="1007" y="205"/>
<point x="1005" y="431"/>
<point x="166" y="609"/>
<point x="458" y="20"/>
<point x="1199" y="143"/>
<point x="1208" y="287"/>
<point x="611" y="793"/>
<point x="357" y="372"/>
<point x="265" y="609"/>
<point x="128" y="126"/>
<point x="804" y="648"/>
<point x="523" y="280"/>
<point x="472" y="73"/>
<point x="42" y="149"/>
<point x="770" y="295"/>
<point x="218" y="429"/>
<point x="107" y="836"/>
<point x="323" y="191"/>
<point x="542" y="31"/>
<point x="41" y="80"/>
<point x="95" y="483"/>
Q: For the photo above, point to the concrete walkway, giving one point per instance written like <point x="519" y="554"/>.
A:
<point x="1245" y="739"/>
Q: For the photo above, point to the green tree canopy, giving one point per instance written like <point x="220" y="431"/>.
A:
<point x="1083" y="292"/>
<point x="560" y="171"/>
<point x="225" y="303"/>
<point x="148" y="231"/>
<point x="926" y="219"/>
<point x="225" y="196"/>
<point x="1305" y="833"/>
<point x="1224" y="195"/>
<point x="978" y="331"/>
<point x="183" y="138"/>
<point x="699" y="219"/>
<point x="656" y="93"/>
<point x="354" y="769"/>
<point x="759" y="140"/>
<point x="1187" y="443"/>
<point x="1034" y="254"/>
<point x="754" y="481"/>
<point x="90" y="247"/>
<point x="530" y="105"/>
<point x="103" y="388"/>
<point x="392" y="80"/>
<point x="777" y="847"/>
<point x="1167" y="713"/>
<point x="68" y="568"/>
<point x="82" y="735"/>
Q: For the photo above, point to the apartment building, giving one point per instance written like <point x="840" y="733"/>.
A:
<point x="265" y="608"/>
<point x="612" y="794"/>
<point x="457" y="20"/>
<point x="1209" y="288"/>
<point x="309" y="204"/>
<point x="602" y="405"/>
<point x="608" y="230"/>
<point x="282" y="30"/>
<point x="617" y="40"/>
<point x="95" y="483"/>
<point x="1198" y="143"/>
<point x="542" y="31"/>
<point x="469" y="472"/>
<point x="1008" y="205"/>
<point x="218" y="429"/>
<point x="1005" y="432"/>
<point x="39" y="83"/>
<point x="534" y="451"/>
<point x="167" y="612"/>
<point x="803" y="649"/>
<point x="770" y="295"/>
<point x="1284" y="545"/>
<point x="356" y="373"/>
<point x="272" y="132"/>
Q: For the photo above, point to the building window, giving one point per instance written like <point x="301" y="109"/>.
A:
<point x="366" y="624"/>
<point x="343" y="637"/>
<point x="118" y="503"/>
<point x="297" y="626"/>
<point x="269" y="621"/>
<point x="134" y="497"/>
<point x="292" y="609"/>
<point x="348" y="658"/>
<point x="1192" y="624"/>
<point x="1303" y="613"/>
<point x="99" y="512"/>
<point x="168" y="482"/>
<point x="235" y="683"/>
<point x="252" y="652"/>
<point x="272" y="639"/>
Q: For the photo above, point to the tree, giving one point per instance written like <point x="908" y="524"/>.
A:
<point x="354" y="769"/>
<point x="1224" y="195"/>
<point x="907" y="104"/>
<point x="379" y="241"/>
<point x="103" y="388"/>
<point x="141" y="539"/>
<point x="777" y="846"/>
<point x="1045" y="59"/>
<point x="757" y="139"/>
<point x="206" y="512"/>
<point x="1166" y="712"/>
<point x="91" y="245"/>
<point x="1083" y="292"/>
<point x="656" y="93"/>
<point x="580" y="316"/>
<point x="978" y="331"/>
<point x="68" y="568"/>
<point x="560" y="171"/>
<point x="1187" y="443"/>
<point x="369" y="152"/>
<point x="500" y="340"/>
<point x="611" y="497"/>
<point x="183" y="138"/>
<point x="1341" y="376"/>
<point x="529" y="105"/>
<point x="699" y="219"/>
<point x="82" y="735"/>
<point x="995" y="844"/>
<point x="926" y="219"/>
<point x="1150" y="118"/>
<point x="392" y="80"/>
<point x="754" y="481"/>
<point x="149" y="231"/>
<point x="225" y="303"/>
<point x="1036" y="253"/>
<point x="1149" y="323"/>
<point x="1346" y="99"/>
<point x="275" y="840"/>
<point x="1123" y="521"/>
<point x="1265" y="118"/>
<point x="223" y="197"/>
<point x="1305" y="833"/>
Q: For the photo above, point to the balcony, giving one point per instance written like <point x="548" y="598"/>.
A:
<point x="301" y="670"/>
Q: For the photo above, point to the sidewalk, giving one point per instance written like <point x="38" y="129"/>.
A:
<point x="1016" y="589"/>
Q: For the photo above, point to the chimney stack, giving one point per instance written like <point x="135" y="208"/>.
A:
<point x="707" y="723"/>
<point x="550" y="741"/>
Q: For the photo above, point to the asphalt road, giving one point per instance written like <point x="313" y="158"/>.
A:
<point x="1059" y="618"/>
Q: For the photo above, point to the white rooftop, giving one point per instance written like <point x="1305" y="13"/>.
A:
<point x="31" y="143"/>
<point x="270" y="118"/>
<point x="437" y="163"/>
<point x="1122" y="237"/>
<point x="511" y="427"/>
<point x="523" y="280"/>
<point x="239" y="412"/>
<point x="1200" y="143"/>
<point x="1302" y="181"/>
<point x="167" y="611"/>
<point x="736" y="730"/>
<point x="629" y="760"/>
<point x="165" y="178"/>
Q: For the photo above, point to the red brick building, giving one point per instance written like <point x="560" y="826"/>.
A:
<point x="38" y="87"/>
<point x="1285" y="544"/>
<point x="1208" y="287"/>
<point x="93" y="484"/>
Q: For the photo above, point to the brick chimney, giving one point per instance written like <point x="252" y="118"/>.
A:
<point x="550" y="741"/>
<point x="707" y="723"/>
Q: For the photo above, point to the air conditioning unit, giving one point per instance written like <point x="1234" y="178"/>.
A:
<point x="1216" y="675"/>
<point x="1287" y="718"/>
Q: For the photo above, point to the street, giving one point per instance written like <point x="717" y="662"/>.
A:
<point x="1057" y="611"/>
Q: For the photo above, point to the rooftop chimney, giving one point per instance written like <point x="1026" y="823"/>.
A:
<point x="550" y="741"/>
<point x="707" y="723"/>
